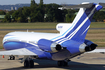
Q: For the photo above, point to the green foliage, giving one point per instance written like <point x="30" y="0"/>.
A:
<point x="41" y="2"/>
<point x="11" y="12"/>
<point x="15" y="15"/>
<point x="2" y="13"/>
<point x="70" y="15"/>
<point x="53" y="14"/>
<point x="33" y="2"/>
<point x="26" y="11"/>
<point x="19" y="19"/>
<point x="7" y="18"/>
<point x="36" y="14"/>
<point x="99" y="16"/>
<point x="46" y="13"/>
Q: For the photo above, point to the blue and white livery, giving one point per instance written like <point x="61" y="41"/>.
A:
<point x="62" y="46"/>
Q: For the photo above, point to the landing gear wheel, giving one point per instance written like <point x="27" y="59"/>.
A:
<point x="59" y="63"/>
<point x="65" y="63"/>
<point x="62" y="63"/>
<point x="11" y="57"/>
<point x="26" y="63"/>
<point x="29" y="63"/>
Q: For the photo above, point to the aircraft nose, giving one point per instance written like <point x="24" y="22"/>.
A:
<point x="10" y="45"/>
<point x="7" y="37"/>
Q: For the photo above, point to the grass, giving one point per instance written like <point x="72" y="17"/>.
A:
<point x="97" y="36"/>
<point x="41" y="25"/>
<point x="27" y="25"/>
<point x="97" y="25"/>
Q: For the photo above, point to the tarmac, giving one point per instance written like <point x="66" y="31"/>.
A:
<point x="88" y="61"/>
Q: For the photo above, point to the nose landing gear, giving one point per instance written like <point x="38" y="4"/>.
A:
<point x="11" y="57"/>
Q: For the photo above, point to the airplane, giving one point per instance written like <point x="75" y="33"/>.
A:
<point x="60" y="47"/>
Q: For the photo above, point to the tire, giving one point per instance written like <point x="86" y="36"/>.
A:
<point x="26" y="63"/>
<point x="11" y="57"/>
<point x="65" y="63"/>
<point x="31" y="63"/>
<point x="59" y="63"/>
<point x="62" y="63"/>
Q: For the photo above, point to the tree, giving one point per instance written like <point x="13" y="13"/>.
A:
<point x="70" y="15"/>
<point x="11" y="12"/>
<point x="99" y="16"/>
<point x="33" y="3"/>
<point x="41" y="2"/>
<point x="15" y="15"/>
<point x="42" y="12"/>
<point x="7" y="18"/>
<point x="53" y="14"/>
<point x="25" y="13"/>
<point x="36" y="15"/>
<point x="2" y="13"/>
<point x="19" y="19"/>
<point x="21" y="14"/>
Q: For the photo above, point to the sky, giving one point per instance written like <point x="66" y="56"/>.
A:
<point x="8" y="2"/>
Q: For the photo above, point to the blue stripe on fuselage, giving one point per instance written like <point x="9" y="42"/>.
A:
<point x="10" y="45"/>
<point x="40" y="53"/>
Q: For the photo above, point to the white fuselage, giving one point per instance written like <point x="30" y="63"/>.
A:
<point x="32" y="37"/>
